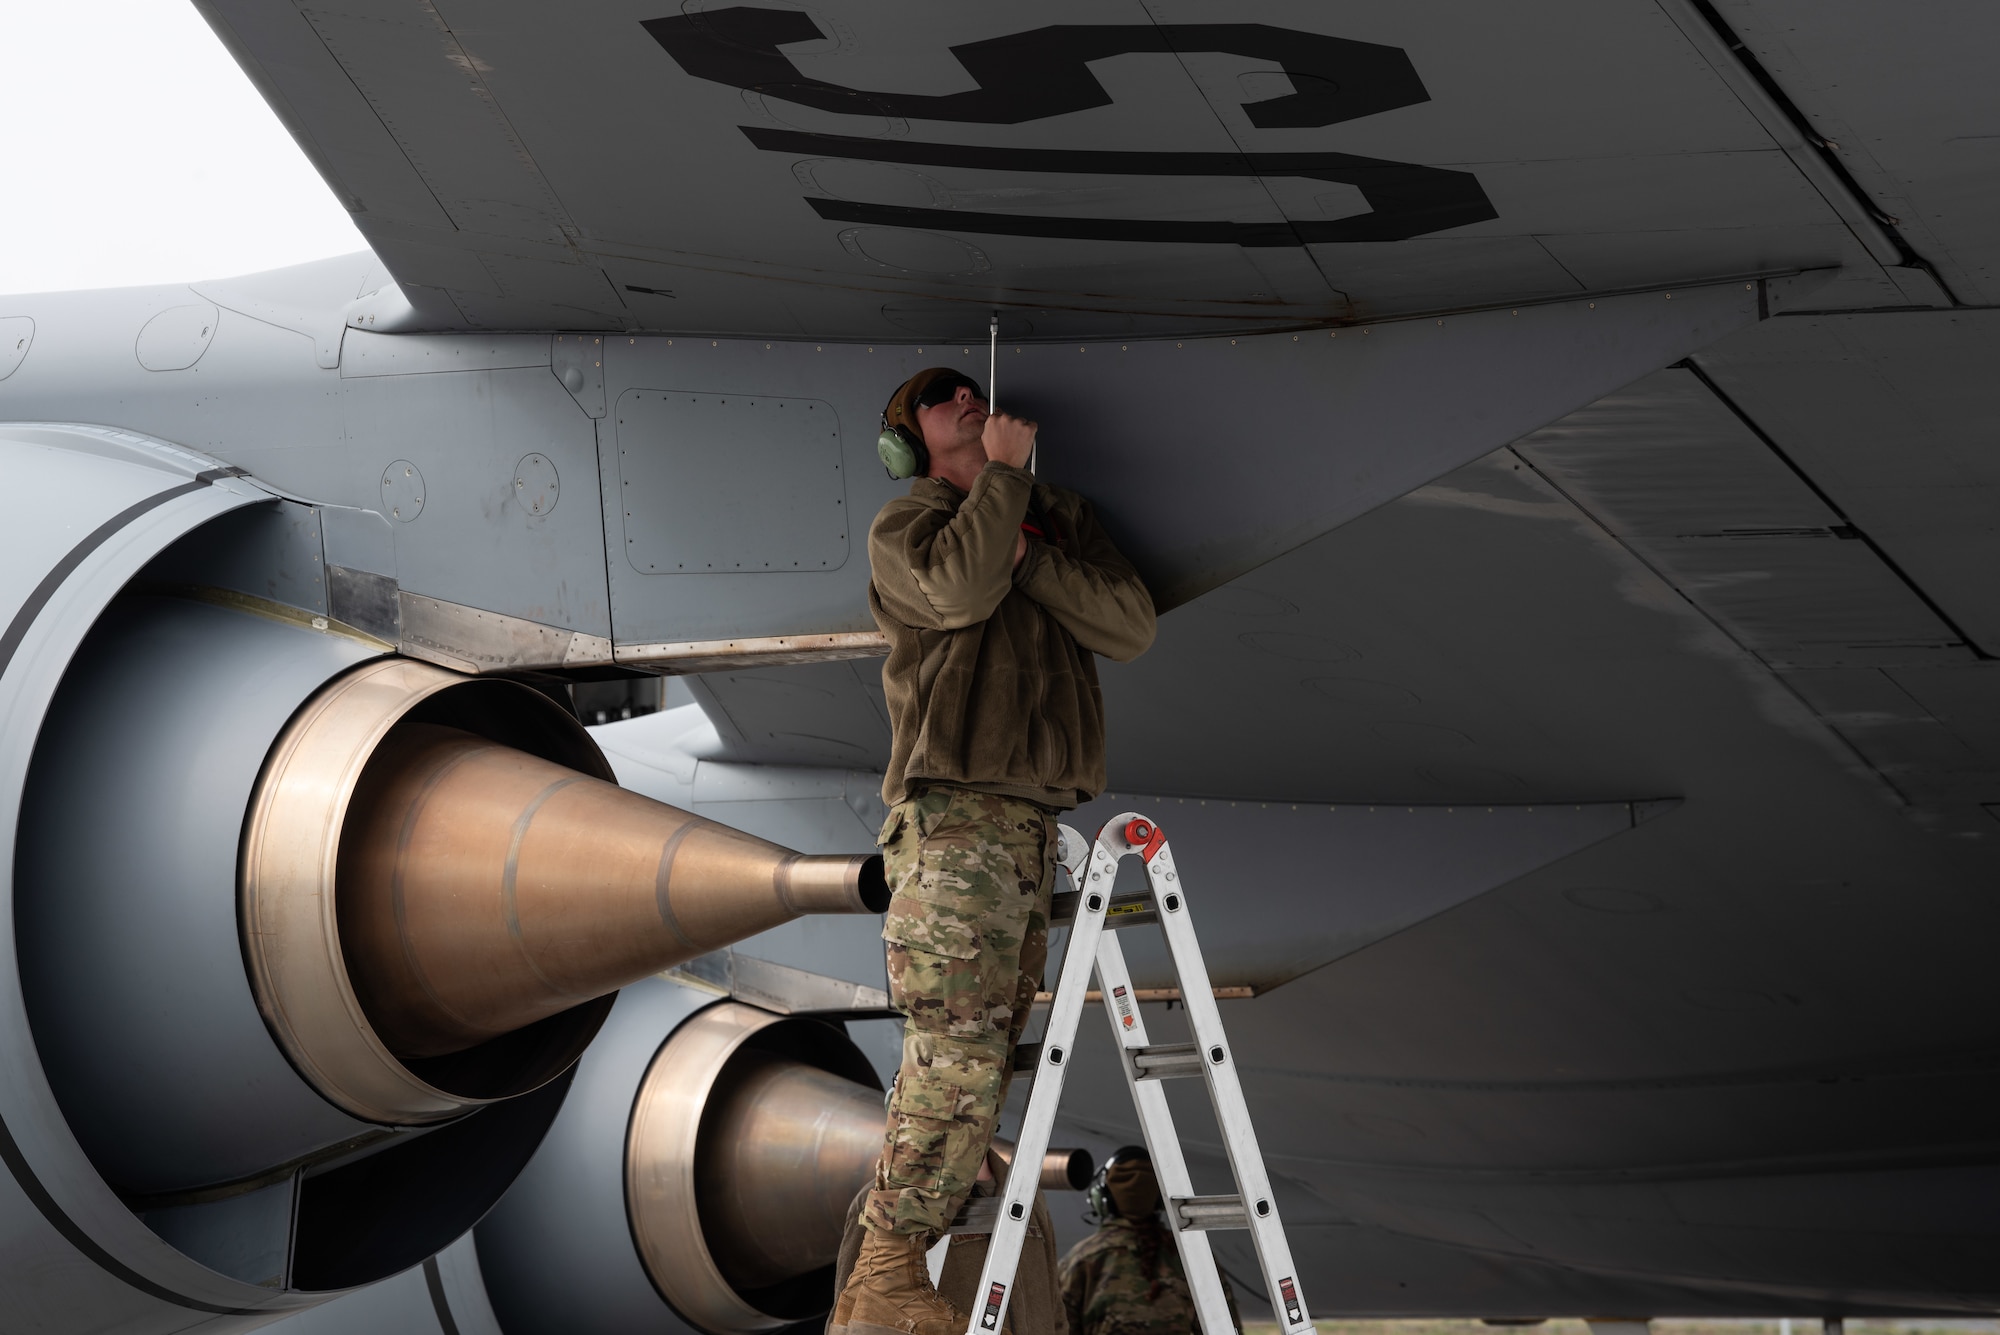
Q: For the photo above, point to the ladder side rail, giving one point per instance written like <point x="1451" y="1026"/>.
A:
<point x="1232" y="1112"/>
<point x="1017" y="1196"/>
<point x="1156" y="1124"/>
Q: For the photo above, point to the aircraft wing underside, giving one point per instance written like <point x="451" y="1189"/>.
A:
<point x="882" y="171"/>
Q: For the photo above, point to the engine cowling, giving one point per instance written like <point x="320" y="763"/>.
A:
<point x="177" y="1110"/>
<point x="697" y="1182"/>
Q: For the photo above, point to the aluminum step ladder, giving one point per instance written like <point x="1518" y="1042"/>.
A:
<point x="1091" y="909"/>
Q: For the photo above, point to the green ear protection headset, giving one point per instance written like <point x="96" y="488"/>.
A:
<point x="901" y="451"/>
<point x="1098" y="1197"/>
<point x="901" y="445"/>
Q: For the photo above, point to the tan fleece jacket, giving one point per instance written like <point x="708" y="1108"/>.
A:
<point x="990" y="679"/>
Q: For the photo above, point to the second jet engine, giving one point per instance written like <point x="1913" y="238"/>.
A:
<point x="696" y="1182"/>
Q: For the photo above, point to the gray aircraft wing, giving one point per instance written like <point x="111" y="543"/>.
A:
<point x="895" y="170"/>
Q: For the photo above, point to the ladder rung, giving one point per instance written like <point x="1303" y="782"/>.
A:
<point x="1165" y="1061"/>
<point x="981" y="1213"/>
<point x="1233" y="992"/>
<point x="1122" y="911"/>
<point x="1206" y="1212"/>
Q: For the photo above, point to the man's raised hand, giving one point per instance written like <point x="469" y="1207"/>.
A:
<point x="1008" y="440"/>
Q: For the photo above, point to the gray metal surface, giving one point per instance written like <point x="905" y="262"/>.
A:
<point x="17" y="335"/>
<point x="466" y="430"/>
<point x="557" y="1253"/>
<point x="1891" y="417"/>
<point x="1338" y="877"/>
<point x="454" y="1284"/>
<point x="1926" y="158"/>
<point x="462" y="412"/>
<point x="1833" y="560"/>
<point x="274" y="551"/>
<point x="663" y="755"/>
<point x="1305" y="884"/>
<point x="779" y="988"/>
<point x="245" y="1236"/>
<point x="1684" y="481"/>
<point x="1715" y="41"/>
<point x="309" y="299"/>
<point x="1126" y="167"/>
<point x="1727" y="1059"/>
<point x="807" y="714"/>
<point x="428" y="432"/>
<point x="1211" y="457"/>
<point x="132" y="959"/>
<point x="176" y="338"/>
<point x="446" y="1295"/>
<point x="75" y="1258"/>
<point x="680" y="451"/>
<point x="443" y="1296"/>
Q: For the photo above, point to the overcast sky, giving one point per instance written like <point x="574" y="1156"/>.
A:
<point x="137" y="152"/>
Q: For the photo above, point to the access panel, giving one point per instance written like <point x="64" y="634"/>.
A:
<point x="695" y="468"/>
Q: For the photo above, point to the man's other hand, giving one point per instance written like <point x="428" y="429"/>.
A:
<point x="1008" y="440"/>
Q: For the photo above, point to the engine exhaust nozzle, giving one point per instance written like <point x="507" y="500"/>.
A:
<point x="749" y="1137"/>
<point x="440" y="881"/>
<point x="1063" y="1169"/>
<point x="483" y="889"/>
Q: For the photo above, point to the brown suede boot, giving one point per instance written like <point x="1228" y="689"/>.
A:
<point x="836" y="1324"/>
<point x="843" y="1309"/>
<point x="889" y="1291"/>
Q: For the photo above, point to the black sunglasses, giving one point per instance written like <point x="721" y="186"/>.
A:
<point x="945" y="388"/>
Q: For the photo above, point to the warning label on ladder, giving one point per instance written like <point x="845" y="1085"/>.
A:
<point x="1124" y="1000"/>
<point x="1290" y="1293"/>
<point x="990" y="1318"/>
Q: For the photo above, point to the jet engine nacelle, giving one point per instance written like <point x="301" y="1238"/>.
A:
<point x="705" y="1177"/>
<point x="696" y="1182"/>
<point x="308" y="937"/>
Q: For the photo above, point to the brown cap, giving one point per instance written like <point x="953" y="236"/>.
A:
<point x="1134" y="1188"/>
<point x="902" y="409"/>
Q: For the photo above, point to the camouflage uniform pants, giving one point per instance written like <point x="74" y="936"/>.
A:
<point x="968" y="936"/>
